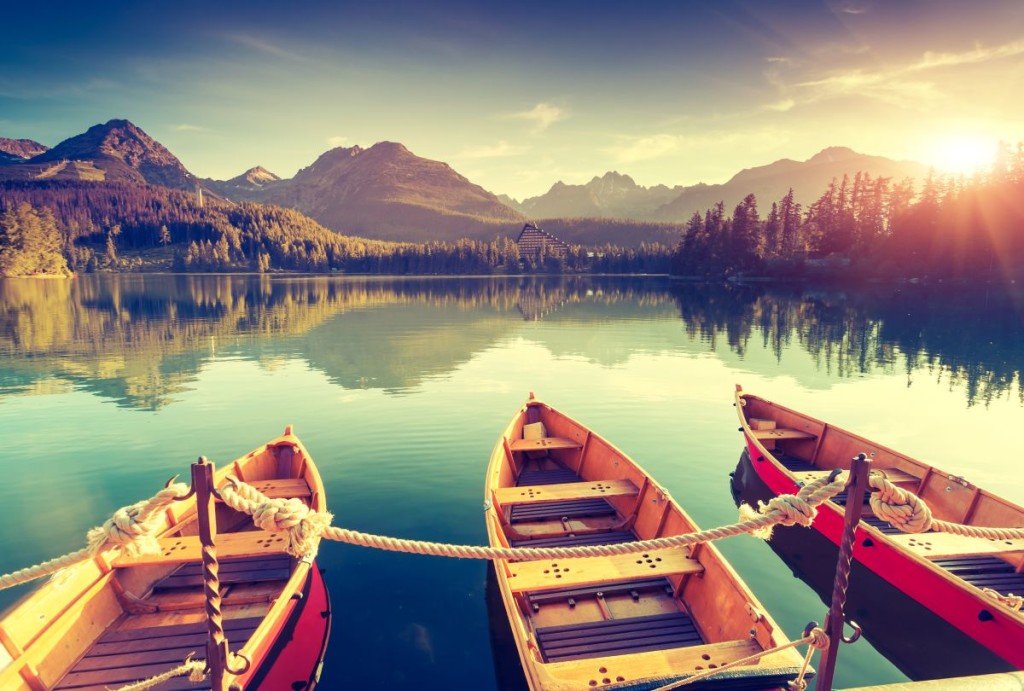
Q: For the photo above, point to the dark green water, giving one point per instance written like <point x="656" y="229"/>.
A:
<point x="400" y="387"/>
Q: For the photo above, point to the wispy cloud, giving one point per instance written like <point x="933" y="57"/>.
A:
<point x="645" y="148"/>
<point x="502" y="149"/>
<point x="336" y="140"/>
<point x="852" y="7"/>
<point x="906" y="85"/>
<point x="185" y="127"/>
<point x="542" y="115"/>
<point x="263" y="45"/>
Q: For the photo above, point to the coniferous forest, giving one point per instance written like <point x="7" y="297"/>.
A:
<point x="864" y="227"/>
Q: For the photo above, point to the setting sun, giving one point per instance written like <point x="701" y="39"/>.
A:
<point x="964" y="154"/>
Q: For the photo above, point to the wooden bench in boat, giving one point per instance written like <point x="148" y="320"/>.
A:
<point x="291" y="488"/>
<point x="548" y="574"/>
<point x="945" y="545"/>
<point x="178" y="550"/>
<point x="781" y="434"/>
<point x="894" y="475"/>
<point x="634" y="589"/>
<point x="277" y="567"/>
<point x="657" y="664"/>
<point x="570" y="491"/>
<point x="545" y="444"/>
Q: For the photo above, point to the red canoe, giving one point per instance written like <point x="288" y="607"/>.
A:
<point x="951" y="575"/>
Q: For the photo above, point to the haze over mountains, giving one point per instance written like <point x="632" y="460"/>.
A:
<point x="387" y="192"/>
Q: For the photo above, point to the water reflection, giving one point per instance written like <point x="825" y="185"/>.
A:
<point x="906" y="633"/>
<point x="142" y="340"/>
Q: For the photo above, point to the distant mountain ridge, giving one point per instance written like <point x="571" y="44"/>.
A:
<point x="771" y="182"/>
<point x="617" y="196"/>
<point x="12" y="150"/>
<point x="612" y="195"/>
<point x="115" y="151"/>
<point x="387" y="192"/>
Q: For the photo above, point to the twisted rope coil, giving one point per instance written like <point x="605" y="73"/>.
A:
<point x="132" y="528"/>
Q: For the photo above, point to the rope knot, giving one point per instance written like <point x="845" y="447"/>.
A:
<point x="134" y="527"/>
<point x="304" y="526"/>
<point x="819" y="639"/>
<point x="899" y="507"/>
<point x="785" y="509"/>
<point x="1014" y="602"/>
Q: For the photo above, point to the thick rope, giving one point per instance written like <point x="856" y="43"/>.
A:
<point x="132" y="528"/>
<point x="305" y="527"/>
<point x="195" y="669"/>
<point x="908" y="512"/>
<point x="816" y="639"/>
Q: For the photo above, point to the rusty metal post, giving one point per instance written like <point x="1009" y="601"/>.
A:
<point x="855" y="490"/>
<point x="216" y="643"/>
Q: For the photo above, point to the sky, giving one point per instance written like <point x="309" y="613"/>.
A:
<point x="518" y="95"/>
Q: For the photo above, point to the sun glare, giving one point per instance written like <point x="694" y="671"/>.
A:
<point x="963" y="155"/>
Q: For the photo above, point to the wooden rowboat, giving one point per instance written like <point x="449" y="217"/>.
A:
<point x="631" y="621"/>
<point x="946" y="573"/>
<point x="112" y="620"/>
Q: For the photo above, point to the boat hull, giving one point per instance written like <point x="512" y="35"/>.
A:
<point x="995" y="627"/>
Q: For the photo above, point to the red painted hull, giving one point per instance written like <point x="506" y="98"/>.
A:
<point x="295" y="651"/>
<point x="960" y="604"/>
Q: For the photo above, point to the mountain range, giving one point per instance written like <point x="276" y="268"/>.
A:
<point x="387" y="192"/>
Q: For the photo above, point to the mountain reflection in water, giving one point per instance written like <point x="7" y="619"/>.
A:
<point x="142" y="339"/>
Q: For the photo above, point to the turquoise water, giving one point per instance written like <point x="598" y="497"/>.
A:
<point x="399" y="388"/>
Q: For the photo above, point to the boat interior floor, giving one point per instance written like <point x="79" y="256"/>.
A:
<point x="611" y="618"/>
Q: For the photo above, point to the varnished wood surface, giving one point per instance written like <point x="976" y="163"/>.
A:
<point x="546" y="574"/>
<point x="538" y="494"/>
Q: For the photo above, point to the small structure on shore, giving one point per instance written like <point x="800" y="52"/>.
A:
<point x="532" y="238"/>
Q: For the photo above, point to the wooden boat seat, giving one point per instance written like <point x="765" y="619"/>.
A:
<point x="781" y="434"/>
<point x="232" y="571"/>
<point x="545" y="444"/>
<point x="609" y="538"/>
<point x="553" y="574"/>
<point x="121" y="657"/>
<point x="617" y="637"/>
<point x="895" y="476"/>
<point x="290" y="488"/>
<point x="942" y="545"/>
<point x="569" y="491"/>
<point x="985" y="572"/>
<point x="177" y="550"/>
<point x="633" y="588"/>
<point x="557" y="511"/>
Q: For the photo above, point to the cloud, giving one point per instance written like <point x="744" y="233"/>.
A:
<point x="906" y="85"/>
<point x="336" y="140"/>
<point x="500" y="150"/>
<point x="542" y="115"/>
<point x="781" y="106"/>
<point x="185" y="127"/>
<point x="851" y="7"/>
<point x="263" y="46"/>
<point x="645" y="148"/>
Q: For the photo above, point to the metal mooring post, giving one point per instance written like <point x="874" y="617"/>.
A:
<point x="835" y="620"/>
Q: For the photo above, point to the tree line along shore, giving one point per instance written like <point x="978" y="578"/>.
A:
<point x="860" y="228"/>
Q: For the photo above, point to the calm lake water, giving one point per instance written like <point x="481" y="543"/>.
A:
<point x="399" y="388"/>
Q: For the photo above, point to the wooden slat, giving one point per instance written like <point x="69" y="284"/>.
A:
<point x="284" y="489"/>
<point x="946" y="545"/>
<point x="569" y="491"/>
<point x="894" y="475"/>
<point x="780" y="434"/>
<point x="545" y="444"/>
<point x="547" y="574"/>
<point x="659" y="664"/>
<point x="178" y="550"/>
